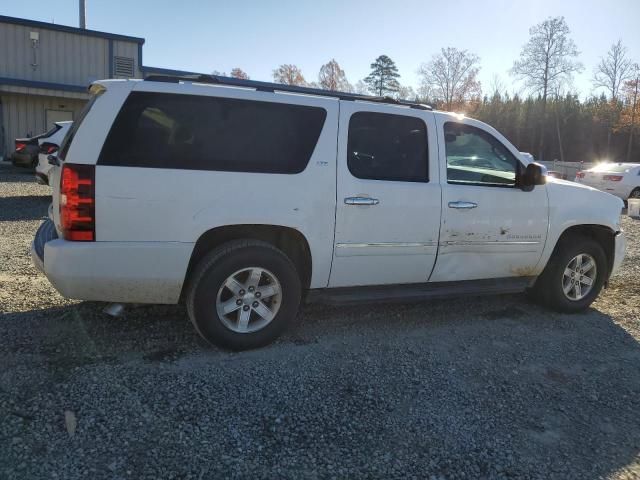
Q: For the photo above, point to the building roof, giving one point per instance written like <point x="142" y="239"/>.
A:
<point x="64" y="28"/>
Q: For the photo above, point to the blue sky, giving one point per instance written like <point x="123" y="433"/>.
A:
<point x="260" y="35"/>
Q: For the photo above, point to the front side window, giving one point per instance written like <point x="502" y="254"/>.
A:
<point x="476" y="157"/>
<point x="382" y="146"/>
<point x="209" y="133"/>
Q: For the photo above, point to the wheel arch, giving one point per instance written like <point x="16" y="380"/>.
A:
<point x="604" y="235"/>
<point x="287" y="239"/>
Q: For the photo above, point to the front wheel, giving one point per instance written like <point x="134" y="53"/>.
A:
<point x="574" y="275"/>
<point x="243" y="295"/>
<point x="635" y="193"/>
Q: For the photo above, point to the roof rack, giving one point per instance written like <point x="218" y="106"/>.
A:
<point x="278" y="87"/>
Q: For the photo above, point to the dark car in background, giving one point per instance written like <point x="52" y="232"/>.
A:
<point x="27" y="149"/>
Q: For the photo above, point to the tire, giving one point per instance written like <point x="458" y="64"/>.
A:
<point x="208" y="295"/>
<point x="549" y="288"/>
<point x="45" y="233"/>
<point x="635" y="193"/>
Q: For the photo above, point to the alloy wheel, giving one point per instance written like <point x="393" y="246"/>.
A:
<point x="579" y="277"/>
<point x="249" y="299"/>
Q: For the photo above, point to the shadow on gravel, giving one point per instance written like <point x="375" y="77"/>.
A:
<point x="485" y="388"/>
<point x="28" y="207"/>
<point x="11" y="174"/>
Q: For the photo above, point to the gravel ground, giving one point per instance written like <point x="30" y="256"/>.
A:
<point x="480" y="388"/>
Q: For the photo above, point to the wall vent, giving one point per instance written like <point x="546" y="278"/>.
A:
<point x="123" y="66"/>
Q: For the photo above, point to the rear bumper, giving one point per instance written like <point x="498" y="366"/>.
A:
<point x="620" y="246"/>
<point x="43" y="167"/>
<point x="22" y="159"/>
<point x="127" y="272"/>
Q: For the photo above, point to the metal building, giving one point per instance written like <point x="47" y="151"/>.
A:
<point x="45" y="70"/>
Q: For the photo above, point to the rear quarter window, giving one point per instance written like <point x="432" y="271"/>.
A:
<point x="68" y="138"/>
<point x="208" y="133"/>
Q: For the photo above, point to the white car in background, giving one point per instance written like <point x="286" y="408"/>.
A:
<point x="619" y="179"/>
<point x="48" y="146"/>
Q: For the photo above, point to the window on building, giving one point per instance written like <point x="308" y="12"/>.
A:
<point x="209" y="133"/>
<point x="383" y="146"/>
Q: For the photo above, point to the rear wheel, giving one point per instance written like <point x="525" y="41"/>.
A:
<point x="635" y="193"/>
<point x="574" y="275"/>
<point x="243" y="295"/>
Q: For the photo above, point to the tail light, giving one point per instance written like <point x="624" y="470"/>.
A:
<point x="612" y="178"/>
<point x="20" y="146"/>
<point x="580" y="175"/>
<point x="48" y="148"/>
<point x="77" y="202"/>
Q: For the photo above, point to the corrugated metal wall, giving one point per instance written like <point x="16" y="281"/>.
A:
<point x="24" y="115"/>
<point x="60" y="57"/>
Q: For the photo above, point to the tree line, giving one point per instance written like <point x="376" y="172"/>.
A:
<point x="549" y="120"/>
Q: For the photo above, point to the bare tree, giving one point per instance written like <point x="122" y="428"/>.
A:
<point x="425" y="93"/>
<point x="361" y="88"/>
<point x="613" y="70"/>
<point x="452" y="76"/>
<point x="406" y="92"/>
<point x="547" y="61"/>
<point x="289" y="75"/>
<point x="610" y="74"/>
<point x="497" y="86"/>
<point x="332" y="77"/>
<point x="239" y="73"/>
<point x="631" y="111"/>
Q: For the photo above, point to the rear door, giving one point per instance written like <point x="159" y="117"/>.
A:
<point x="388" y="196"/>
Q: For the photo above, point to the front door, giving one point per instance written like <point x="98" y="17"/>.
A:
<point x="490" y="227"/>
<point x="388" y="196"/>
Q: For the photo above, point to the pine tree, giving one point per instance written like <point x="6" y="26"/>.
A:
<point x="383" y="77"/>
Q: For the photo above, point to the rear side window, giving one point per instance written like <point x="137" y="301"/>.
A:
<point x="208" y="133"/>
<point x="382" y="146"/>
<point x="68" y="138"/>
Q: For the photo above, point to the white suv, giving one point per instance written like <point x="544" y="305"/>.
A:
<point x="242" y="198"/>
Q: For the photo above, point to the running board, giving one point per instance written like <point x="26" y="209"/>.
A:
<point x="415" y="292"/>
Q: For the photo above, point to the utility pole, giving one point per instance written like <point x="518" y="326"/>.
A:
<point x="83" y="14"/>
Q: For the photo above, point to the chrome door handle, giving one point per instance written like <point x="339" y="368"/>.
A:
<point x="462" y="205"/>
<point x="361" y="201"/>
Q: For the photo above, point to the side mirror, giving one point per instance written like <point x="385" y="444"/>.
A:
<point x="534" y="174"/>
<point x="53" y="160"/>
